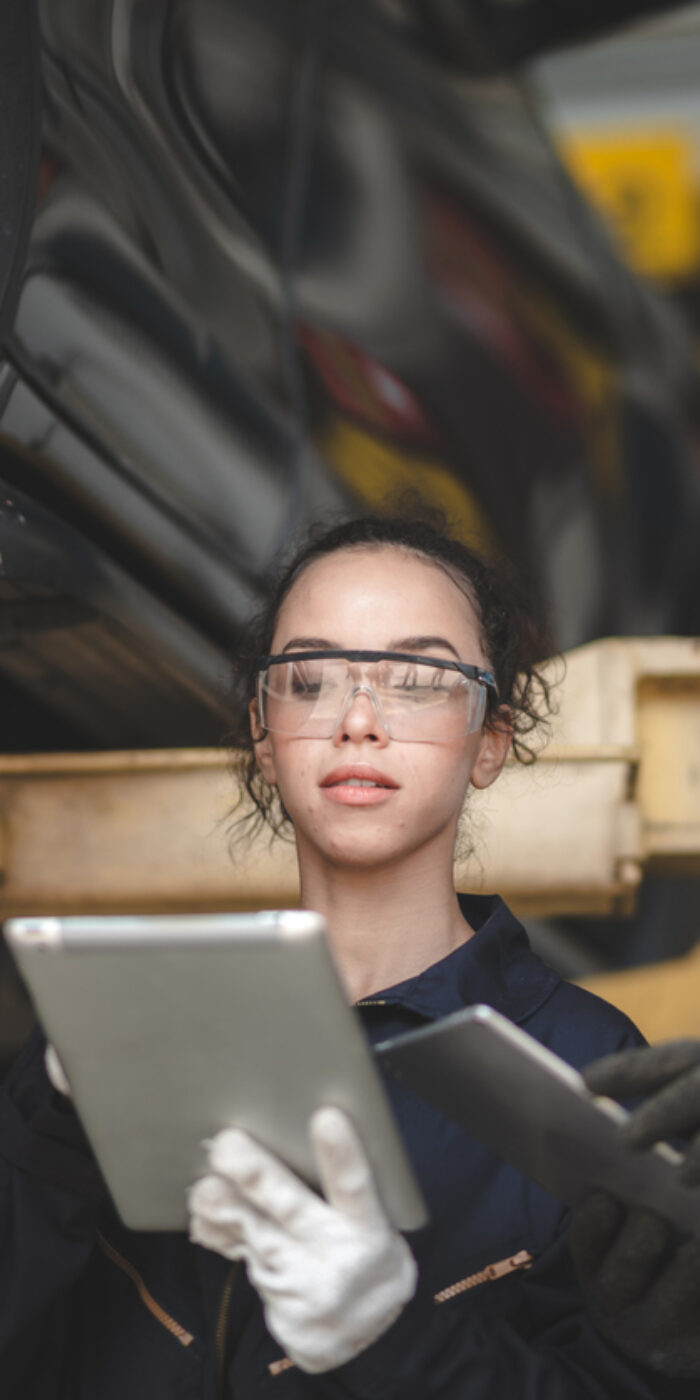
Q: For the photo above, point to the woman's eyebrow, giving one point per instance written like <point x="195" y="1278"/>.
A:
<point x="422" y="644"/>
<point x="399" y="644"/>
<point x="310" y="644"/>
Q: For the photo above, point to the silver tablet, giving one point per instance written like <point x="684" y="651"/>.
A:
<point x="172" y="1028"/>
<point x="533" y="1110"/>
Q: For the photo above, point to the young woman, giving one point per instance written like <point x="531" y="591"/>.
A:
<point x="391" y="673"/>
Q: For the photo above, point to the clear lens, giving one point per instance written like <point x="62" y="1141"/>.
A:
<point x="415" y="701"/>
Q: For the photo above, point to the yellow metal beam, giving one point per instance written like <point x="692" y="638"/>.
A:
<point x="663" y="999"/>
<point x="129" y="831"/>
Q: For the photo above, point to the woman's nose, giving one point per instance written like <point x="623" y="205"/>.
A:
<point x="361" y="718"/>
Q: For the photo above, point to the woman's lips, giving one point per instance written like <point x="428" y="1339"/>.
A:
<point x="358" y="785"/>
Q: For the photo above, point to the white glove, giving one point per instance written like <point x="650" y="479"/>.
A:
<point x="56" y="1072"/>
<point x="332" y="1275"/>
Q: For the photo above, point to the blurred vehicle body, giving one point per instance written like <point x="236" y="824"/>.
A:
<point x="290" y="259"/>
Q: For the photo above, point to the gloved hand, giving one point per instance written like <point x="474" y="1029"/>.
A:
<point x="332" y="1275"/>
<point x="641" y="1286"/>
<point x="670" y="1075"/>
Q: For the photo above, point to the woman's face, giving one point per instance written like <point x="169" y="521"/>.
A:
<point x="380" y="598"/>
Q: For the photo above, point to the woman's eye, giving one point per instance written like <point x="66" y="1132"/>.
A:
<point x="305" y="689"/>
<point x="305" y="685"/>
<point x="422" y="683"/>
<point x="308" y="685"/>
<point x="427" y="692"/>
<point x="405" y="679"/>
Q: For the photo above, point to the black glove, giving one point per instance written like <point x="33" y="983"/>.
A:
<point x="642" y="1287"/>
<point x="670" y="1074"/>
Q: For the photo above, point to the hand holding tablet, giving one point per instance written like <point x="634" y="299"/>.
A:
<point x="535" y="1111"/>
<point x="172" y="1028"/>
<point x="642" y="1286"/>
<point x="332" y="1274"/>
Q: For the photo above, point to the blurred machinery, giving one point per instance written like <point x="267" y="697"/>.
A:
<point x="290" y="259"/>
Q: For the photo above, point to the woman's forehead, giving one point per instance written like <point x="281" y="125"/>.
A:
<point x="376" y="590"/>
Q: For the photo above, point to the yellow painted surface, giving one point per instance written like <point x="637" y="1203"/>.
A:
<point x="596" y="380"/>
<point x="645" y="183"/>
<point x="663" y="999"/>
<point x="375" y="470"/>
<point x="130" y="832"/>
<point x="668" y="790"/>
<point x="145" y="831"/>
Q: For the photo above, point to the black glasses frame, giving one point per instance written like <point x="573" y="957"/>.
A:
<point x="472" y="673"/>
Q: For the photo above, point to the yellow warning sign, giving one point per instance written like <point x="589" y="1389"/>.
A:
<point x="647" y="185"/>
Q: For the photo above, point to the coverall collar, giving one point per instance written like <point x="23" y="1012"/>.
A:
<point x="497" y="960"/>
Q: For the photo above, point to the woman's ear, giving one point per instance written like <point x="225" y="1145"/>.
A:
<point x="493" y="749"/>
<point x="263" y="747"/>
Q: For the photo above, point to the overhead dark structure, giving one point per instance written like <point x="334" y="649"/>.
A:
<point x="493" y="33"/>
<point x="20" y="126"/>
<point x="286" y="261"/>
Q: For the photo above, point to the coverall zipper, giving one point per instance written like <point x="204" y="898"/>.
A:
<point x="184" y="1337"/>
<point x="222" y="1329"/>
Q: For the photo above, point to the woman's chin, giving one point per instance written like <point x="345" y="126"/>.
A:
<point x="352" y="841"/>
<point x="367" y="852"/>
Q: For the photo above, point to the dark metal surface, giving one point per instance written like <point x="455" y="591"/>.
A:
<point x="83" y="637"/>
<point x="20" y="122"/>
<point x="290" y="258"/>
<point x="514" y="30"/>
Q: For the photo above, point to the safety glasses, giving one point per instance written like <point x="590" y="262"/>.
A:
<point x="417" y="699"/>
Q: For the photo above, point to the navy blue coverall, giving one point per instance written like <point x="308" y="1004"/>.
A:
<point x="92" y="1311"/>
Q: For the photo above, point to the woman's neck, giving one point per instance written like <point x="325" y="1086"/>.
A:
<point x="385" y="924"/>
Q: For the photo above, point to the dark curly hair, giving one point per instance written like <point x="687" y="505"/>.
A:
<point x="514" y="637"/>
